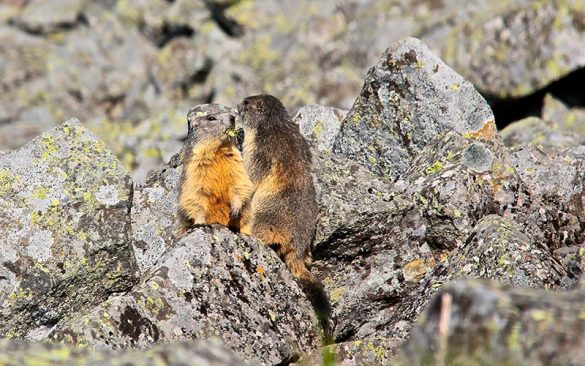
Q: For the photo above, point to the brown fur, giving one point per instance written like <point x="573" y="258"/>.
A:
<point x="214" y="188"/>
<point x="284" y="206"/>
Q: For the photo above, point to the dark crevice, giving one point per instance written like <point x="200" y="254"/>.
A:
<point x="227" y="24"/>
<point x="569" y="90"/>
<point x="160" y="37"/>
<point x="39" y="31"/>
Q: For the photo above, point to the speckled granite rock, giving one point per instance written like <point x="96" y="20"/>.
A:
<point x="64" y="229"/>
<point x="477" y="323"/>
<point x="409" y="98"/>
<point x="545" y="135"/>
<point x="515" y="48"/>
<point x="375" y="260"/>
<point x="345" y="190"/>
<point x="567" y="119"/>
<point x="497" y="249"/>
<point x="320" y="125"/>
<point x="212" y="283"/>
<point x="23" y="353"/>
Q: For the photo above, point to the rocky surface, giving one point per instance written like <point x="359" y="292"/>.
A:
<point x="129" y="69"/>
<point x="65" y="221"/>
<point x="409" y="97"/>
<point x="18" y="352"/>
<point x="209" y="284"/>
<point x="416" y="189"/>
<point x="477" y="323"/>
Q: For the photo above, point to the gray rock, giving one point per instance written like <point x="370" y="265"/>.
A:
<point x="486" y="323"/>
<point x="22" y="58"/>
<point x="345" y="190"/>
<point x="46" y="16"/>
<point x="25" y="353"/>
<point x="154" y="214"/>
<point x="516" y="48"/>
<point x="320" y="125"/>
<point x="211" y="283"/>
<point x="554" y="192"/>
<point x="571" y="121"/>
<point x="370" y="264"/>
<point x="544" y="135"/>
<point x="497" y="249"/>
<point x="409" y="98"/>
<point x="64" y="229"/>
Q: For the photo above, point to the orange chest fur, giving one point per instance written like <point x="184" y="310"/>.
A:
<point x="213" y="174"/>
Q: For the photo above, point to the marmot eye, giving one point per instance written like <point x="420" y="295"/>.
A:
<point x="211" y="118"/>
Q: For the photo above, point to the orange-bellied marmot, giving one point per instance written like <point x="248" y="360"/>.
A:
<point x="284" y="206"/>
<point x="214" y="186"/>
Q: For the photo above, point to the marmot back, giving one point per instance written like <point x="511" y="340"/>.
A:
<point x="214" y="186"/>
<point x="284" y="206"/>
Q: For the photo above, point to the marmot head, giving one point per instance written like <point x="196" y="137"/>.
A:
<point x="261" y="110"/>
<point x="208" y="122"/>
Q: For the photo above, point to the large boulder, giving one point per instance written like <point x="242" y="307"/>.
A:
<point x="486" y="323"/>
<point x="23" y="353"/>
<point x="64" y="229"/>
<point x="409" y="98"/>
<point x="211" y="283"/>
<point x="371" y="263"/>
<point x="512" y="49"/>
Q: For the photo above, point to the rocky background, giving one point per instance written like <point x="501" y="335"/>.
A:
<point x="452" y="156"/>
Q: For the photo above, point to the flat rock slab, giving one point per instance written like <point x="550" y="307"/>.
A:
<point x="212" y="283"/>
<point x="409" y="98"/>
<point x="23" y="353"/>
<point x="64" y="229"/>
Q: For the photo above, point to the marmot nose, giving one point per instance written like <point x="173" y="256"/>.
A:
<point x="232" y="119"/>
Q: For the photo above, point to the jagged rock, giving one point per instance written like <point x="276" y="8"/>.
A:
<point x="553" y="209"/>
<point x="23" y="353"/>
<point x="371" y="264"/>
<point x="544" y="135"/>
<point x="154" y="214"/>
<point x="64" y="229"/>
<point x="46" y="16"/>
<point x="555" y="185"/>
<point x="211" y="283"/>
<point x="516" y="48"/>
<point x="320" y="125"/>
<point x="497" y="249"/>
<point x="345" y="190"/>
<point x="485" y="323"/>
<point x="409" y="98"/>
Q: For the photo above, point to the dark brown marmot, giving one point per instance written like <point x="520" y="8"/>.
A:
<point x="214" y="186"/>
<point x="284" y="206"/>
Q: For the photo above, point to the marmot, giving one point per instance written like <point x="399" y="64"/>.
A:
<point x="284" y="206"/>
<point x="214" y="186"/>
